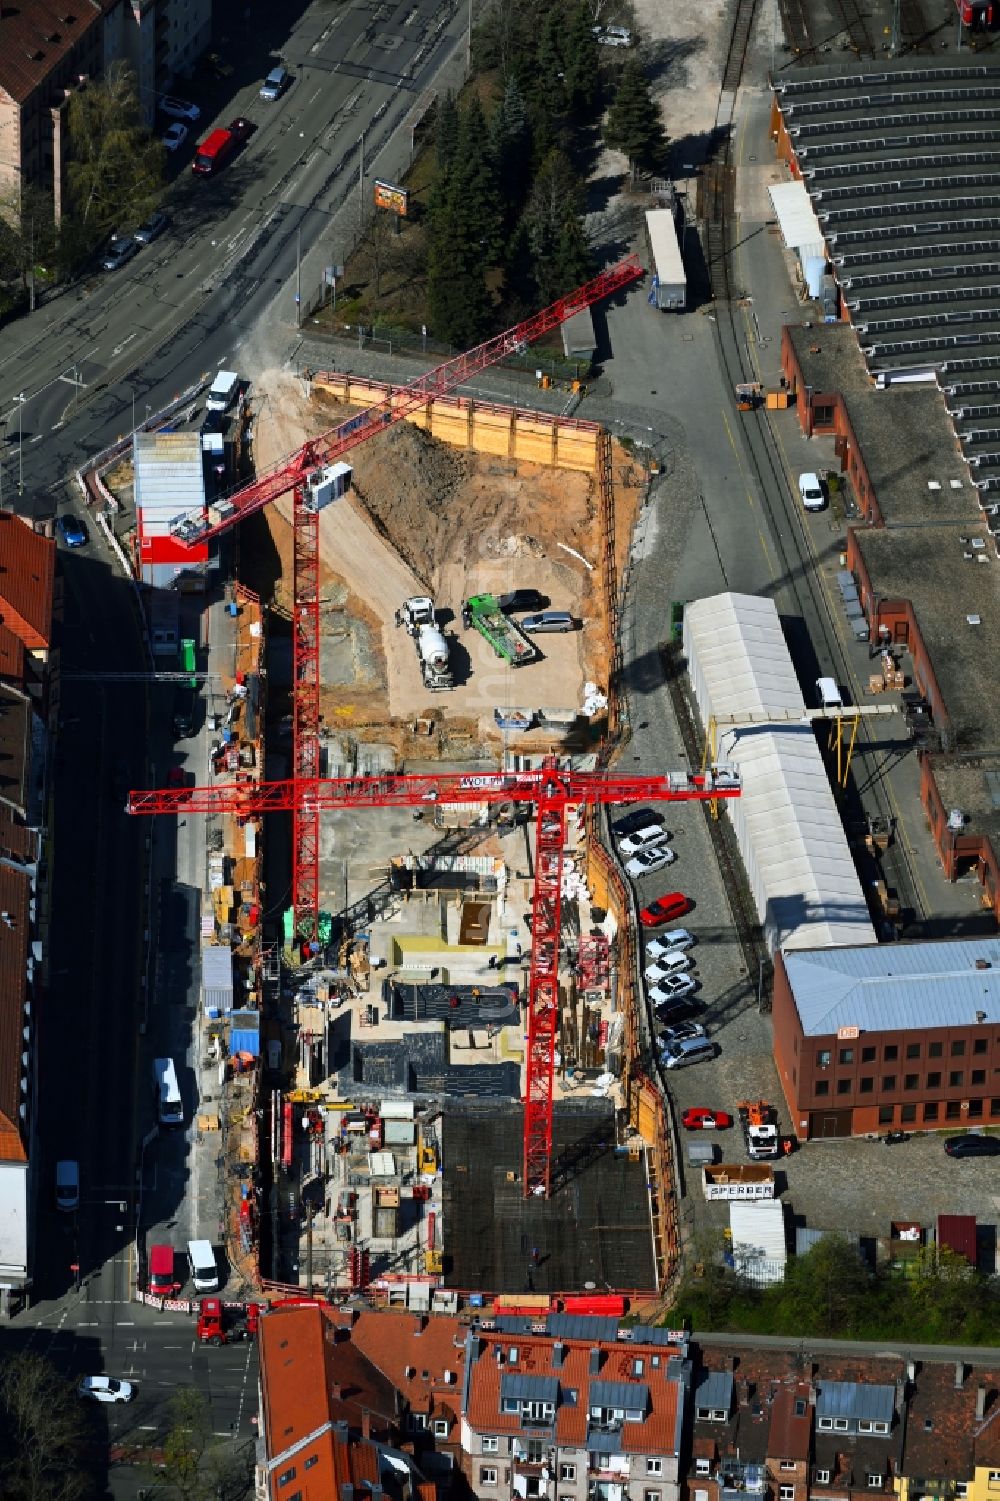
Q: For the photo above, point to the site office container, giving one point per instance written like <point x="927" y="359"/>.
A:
<point x="213" y="152"/>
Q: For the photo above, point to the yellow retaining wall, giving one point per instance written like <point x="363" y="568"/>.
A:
<point x="505" y="432"/>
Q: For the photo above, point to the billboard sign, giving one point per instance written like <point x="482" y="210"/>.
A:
<point x="387" y="196"/>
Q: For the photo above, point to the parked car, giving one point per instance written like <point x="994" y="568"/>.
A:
<point x="669" y="943"/>
<point x="613" y="36"/>
<point x="74" y="533"/>
<point x="522" y="599"/>
<point x="178" y="109"/>
<point x="548" y="620"/>
<point x="829" y="694"/>
<point x="972" y="1146"/>
<point x="644" y="838"/>
<point x="811" y="492"/>
<point x="119" y="252"/>
<point x="105" y="1389"/>
<point x="688" y="1050"/>
<point x="669" y="1013"/>
<point x="241" y="129"/>
<point x="154" y="225"/>
<point x="174" y="136"/>
<point x="639" y="818"/>
<point x="275" y="83"/>
<point x="683" y="1032"/>
<point x="701" y="1118"/>
<point x="646" y="862"/>
<point x="668" y="964"/>
<point x="671" y="988"/>
<point x="666" y="908"/>
<point x="67" y="1185"/>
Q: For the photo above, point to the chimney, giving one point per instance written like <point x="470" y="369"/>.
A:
<point x="335" y="1390"/>
<point x="980" y="1403"/>
<point x="366" y="1423"/>
<point x="558" y="1352"/>
<point x="595" y="1361"/>
<point x="959" y="1374"/>
<point x="421" y="1323"/>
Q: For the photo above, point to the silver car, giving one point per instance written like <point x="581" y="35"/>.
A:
<point x="648" y="861"/>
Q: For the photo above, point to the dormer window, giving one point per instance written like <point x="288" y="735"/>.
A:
<point x="702" y="1467"/>
<point x="512" y="1355"/>
<point x="800" y="1407"/>
<point x="866" y="1425"/>
<point x="711" y="1414"/>
<point x="874" y="1482"/>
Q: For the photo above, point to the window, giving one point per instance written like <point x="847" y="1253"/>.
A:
<point x="956" y="1078"/>
<point x="825" y="1423"/>
<point x="847" y="1055"/>
<point x="913" y="1050"/>
<point x="874" y="1482"/>
<point x="890" y="1053"/>
<point x="866" y="1084"/>
<point x="567" y="1472"/>
<point x="908" y="1113"/>
<point x="488" y="1475"/>
<point x="786" y="1493"/>
<point x="958" y="1048"/>
<point x="702" y="1467"/>
<point x="994" y="1477"/>
<point x="961" y="1488"/>
<point x="868" y="1055"/>
<point x="286" y="1476"/>
<point x="978" y="1076"/>
<point x="823" y="1058"/>
<point x="822" y="1477"/>
<point x="441" y="1427"/>
<point x="931" y="1111"/>
<point x="822" y="1086"/>
<point x="886" y="1115"/>
<point x="491" y="1444"/>
<point x="654" y="1466"/>
<point x="840" y="1425"/>
<point x="844" y="1086"/>
<point x="953" y="1111"/>
<point x="652" y="1496"/>
<point x="418" y="1420"/>
<point x="935" y="1049"/>
<point x="934" y="1080"/>
<point x="787" y="1464"/>
<point x="975" y="1108"/>
<point x="638" y="1366"/>
<point x="911" y="1081"/>
<point x="994" y="1107"/>
<point x="980" y="1045"/>
<point x="888" y="1083"/>
<point x="313" y="1459"/>
<point x="512" y="1355"/>
<point x="868" y="1425"/>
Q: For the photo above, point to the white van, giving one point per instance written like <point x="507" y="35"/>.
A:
<point x="222" y="391"/>
<point x="204" y="1272"/>
<point x="828" y="694"/>
<point x="169" y="1107"/>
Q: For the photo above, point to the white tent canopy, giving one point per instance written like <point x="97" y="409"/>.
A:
<point x="804" y="882"/>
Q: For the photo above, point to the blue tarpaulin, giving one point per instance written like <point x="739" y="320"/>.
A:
<point x="244" y="1032"/>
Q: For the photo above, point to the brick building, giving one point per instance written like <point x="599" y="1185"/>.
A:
<point x="896" y="1037"/>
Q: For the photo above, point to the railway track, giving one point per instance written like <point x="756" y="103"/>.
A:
<point x="795" y="578"/>
<point x="855" y="27"/>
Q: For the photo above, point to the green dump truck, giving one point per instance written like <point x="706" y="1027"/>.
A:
<point x="483" y="613"/>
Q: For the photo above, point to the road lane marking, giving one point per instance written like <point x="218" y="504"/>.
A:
<point x="124" y="343"/>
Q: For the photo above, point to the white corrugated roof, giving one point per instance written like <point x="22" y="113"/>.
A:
<point x="758" y="1228"/>
<point x="796" y="218"/>
<point x="663" y="243"/>
<point x="803" y="878"/>
<point x="169" y="474"/>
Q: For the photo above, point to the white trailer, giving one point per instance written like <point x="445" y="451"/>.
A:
<point x="669" y="289"/>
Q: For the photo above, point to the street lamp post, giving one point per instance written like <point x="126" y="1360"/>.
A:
<point x="20" y="398"/>
<point x="3" y="448"/>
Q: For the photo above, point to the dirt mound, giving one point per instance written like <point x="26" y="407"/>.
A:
<point x="408" y="483"/>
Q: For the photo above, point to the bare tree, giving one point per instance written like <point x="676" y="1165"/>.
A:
<point x="45" y="1434"/>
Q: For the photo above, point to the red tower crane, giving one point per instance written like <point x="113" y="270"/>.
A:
<point x="307" y="474"/>
<point x="553" y="791"/>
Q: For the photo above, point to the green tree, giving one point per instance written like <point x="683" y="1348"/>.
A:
<point x="43" y="1434"/>
<point x="510" y="144"/>
<point x="115" y="162"/>
<point x="581" y="75"/>
<point x="826" y="1290"/>
<point x="446" y="133"/>
<point x="29" y="241"/>
<point x="474" y="199"/>
<point x="555" y="232"/>
<point x="186" y="1442"/>
<point x="633" y="124"/>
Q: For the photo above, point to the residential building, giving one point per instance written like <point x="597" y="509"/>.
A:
<point x="903" y="1036"/>
<point x="48" y="48"/>
<point x="952" y="1450"/>
<point x="29" y="598"/>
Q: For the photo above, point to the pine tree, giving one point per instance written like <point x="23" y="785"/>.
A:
<point x="554" y="229"/>
<point x="580" y="69"/>
<point x="633" y="124"/>
<point x="446" y="132"/>
<point x="510" y="141"/>
<point x="473" y="197"/>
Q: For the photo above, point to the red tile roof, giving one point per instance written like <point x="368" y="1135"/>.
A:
<point x="943" y="1434"/>
<point x="416" y="1355"/>
<point x="658" y="1432"/>
<point x="27" y="569"/>
<point x="11" y="655"/>
<point x="15" y="894"/>
<point x="791" y="1422"/>
<point x="35" y="36"/>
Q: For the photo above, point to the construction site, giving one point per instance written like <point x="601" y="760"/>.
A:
<point x="440" y="1099"/>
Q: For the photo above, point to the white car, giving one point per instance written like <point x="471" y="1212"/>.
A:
<point x="811" y="492"/>
<point x="613" y="36"/>
<point x="669" y="943"/>
<point x="672" y="988"/>
<point x="178" y="109"/>
<point x="647" y="861"/>
<point x="174" y="136"/>
<point x="105" y="1389"/>
<point x="642" y="839"/>
<point x="669" y="964"/>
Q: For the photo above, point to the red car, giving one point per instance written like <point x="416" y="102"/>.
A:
<point x="700" y="1118"/>
<point x="666" y="908"/>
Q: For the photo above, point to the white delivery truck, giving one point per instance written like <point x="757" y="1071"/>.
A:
<point x="222" y="392"/>
<point x="204" y="1270"/>
<point x="169" y="1107"/>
